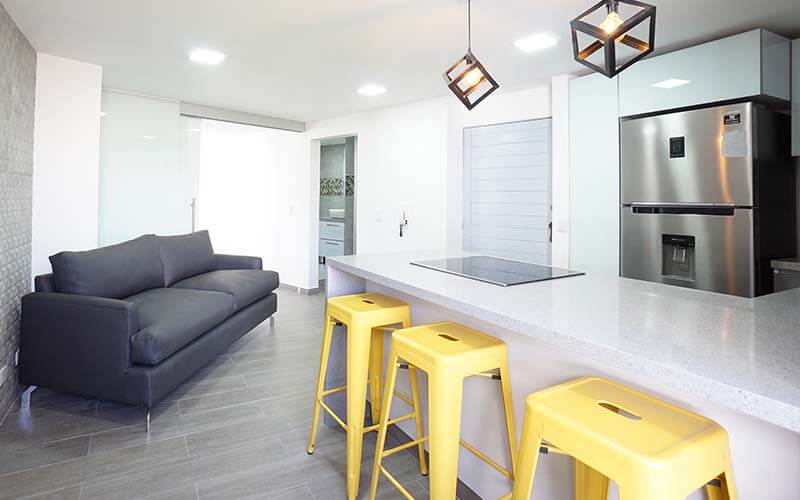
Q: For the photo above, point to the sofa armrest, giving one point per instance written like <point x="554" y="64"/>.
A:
<point x="75" y="343"/>
<point x="224" y="261"/>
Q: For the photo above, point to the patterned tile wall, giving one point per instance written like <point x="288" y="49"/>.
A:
<point x="17" y="93"/>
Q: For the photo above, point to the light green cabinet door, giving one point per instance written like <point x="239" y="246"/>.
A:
<point x="594" y="175"/>
<point x="744" y="65"/>
<point x="796" y="97"/>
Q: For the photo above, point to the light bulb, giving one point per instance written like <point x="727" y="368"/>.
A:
<point x="611" y="22"/>
<point x="473" y="77"/>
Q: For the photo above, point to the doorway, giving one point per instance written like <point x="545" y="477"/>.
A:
<point x="337" y="198"/>
<point x="507" y="190"/>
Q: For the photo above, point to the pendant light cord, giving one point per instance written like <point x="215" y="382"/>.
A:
<point x="469" y="25"/>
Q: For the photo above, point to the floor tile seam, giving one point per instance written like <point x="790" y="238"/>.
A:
<point x="49" y="463"/>
<point x="24" y="497"/>
<point x="232" y="405"/>
<point x="85" y="456"/>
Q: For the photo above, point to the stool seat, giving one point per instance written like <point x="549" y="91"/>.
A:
<point x="651" y="448"/>
<point x="377" y="308"/>
<point x="628" y="423"/>
<point x="452" y="344"/>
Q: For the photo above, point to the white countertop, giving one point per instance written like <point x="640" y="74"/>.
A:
<point x="738" y="352"/>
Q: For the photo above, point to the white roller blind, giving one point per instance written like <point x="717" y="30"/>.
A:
<point x="507" y="190"/>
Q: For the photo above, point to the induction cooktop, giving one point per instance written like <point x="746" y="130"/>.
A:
<point x="502" y="272"/>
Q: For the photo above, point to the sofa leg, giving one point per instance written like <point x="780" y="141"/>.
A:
<point x="148" y="421"/>
<point x="25" y="399"/>
<point x="272" y="321"/>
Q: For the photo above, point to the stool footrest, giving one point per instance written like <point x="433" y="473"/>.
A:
<point x="407" y="400"/>
<point x="499" y="468"/>
<point x="333" y="414"/>
<point x="374" y="427"/>
<point x="334" y="390"/>
<point x="396" y="483"/>
<point x="404" y="446"/>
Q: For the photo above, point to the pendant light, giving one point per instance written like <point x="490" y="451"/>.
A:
<point x="467" y="78"/>
<point x="613" y="33"/>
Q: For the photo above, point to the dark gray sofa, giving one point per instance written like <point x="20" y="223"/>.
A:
<point x="130" y="322"/>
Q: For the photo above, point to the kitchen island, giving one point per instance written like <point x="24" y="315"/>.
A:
<point x="733" y="359"/>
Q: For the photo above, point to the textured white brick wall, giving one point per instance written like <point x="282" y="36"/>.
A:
<point x="17" y="90"/>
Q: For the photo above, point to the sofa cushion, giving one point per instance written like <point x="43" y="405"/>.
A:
<point x="114" y="271"/>
<point x="246" y="286"/>
<point x="170" y="318"/>
<point x="186" y="255"/>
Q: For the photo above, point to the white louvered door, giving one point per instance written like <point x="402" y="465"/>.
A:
<point x="507" y="201"/>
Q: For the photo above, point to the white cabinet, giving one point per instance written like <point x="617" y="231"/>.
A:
<point x="796" y="97"/>
<point x="331" y="230"/>
<point x="749" y="64"/>
<point x="331" y="248"/>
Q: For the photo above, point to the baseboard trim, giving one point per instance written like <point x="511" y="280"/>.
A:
<point x="463" y="491"/>
<point x="299" y="290"/>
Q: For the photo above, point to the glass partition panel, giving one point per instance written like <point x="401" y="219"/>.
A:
<point x="148" y="168"/>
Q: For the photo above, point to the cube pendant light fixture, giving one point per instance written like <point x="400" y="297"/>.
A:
<point x="613" y="33"/>
<point x="467" y="78"/>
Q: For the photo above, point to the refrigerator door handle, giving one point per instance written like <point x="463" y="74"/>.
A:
<point x="679" y="204"/>
<point x="695" y="209"/>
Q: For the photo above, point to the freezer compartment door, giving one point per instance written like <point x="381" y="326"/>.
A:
<point x="700" y="156"/>
<point x="693" y="250"/>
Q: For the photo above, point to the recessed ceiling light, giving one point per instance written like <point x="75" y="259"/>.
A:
<point x="103" y="113"/>
<point x="205" y="56"/>
<point x="148" y="137"/>
<point x="371" y="90"/>
<point x="535" y="42"/>
<point x="671" y="83"/>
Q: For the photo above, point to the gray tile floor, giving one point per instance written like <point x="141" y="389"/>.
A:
<point x="237" y="429"/>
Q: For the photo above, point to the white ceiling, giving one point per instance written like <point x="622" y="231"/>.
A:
<point x="304" y="60"/>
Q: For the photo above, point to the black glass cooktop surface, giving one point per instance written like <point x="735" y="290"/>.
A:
<point x="497" y="271"/>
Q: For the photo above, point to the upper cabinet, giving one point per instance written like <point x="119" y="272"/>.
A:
<point x="754" y="63"/>
<point x="796" y="97"/>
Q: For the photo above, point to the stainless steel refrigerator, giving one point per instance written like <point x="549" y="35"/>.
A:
<point x="707" y="198"/>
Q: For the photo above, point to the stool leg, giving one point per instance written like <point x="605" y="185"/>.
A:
<point x="530" y="443"/>
<point x="413" y="376"/>
<point x="375" y="373"/>
<point x="327" y="336"/>
<point x="589" y="484"/>
<point x="444" y="424"/>
<point x="386" y="407"/>
<point x="508" y="407"/>
<point x="358" y="344"/>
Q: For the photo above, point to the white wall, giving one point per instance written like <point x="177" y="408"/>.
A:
<point x="253" y="194"/>
<point x="561" y="171"/>
<point x="401" y="164"/>
<point x="65" y="158"/>
<point x="411" y="157"/>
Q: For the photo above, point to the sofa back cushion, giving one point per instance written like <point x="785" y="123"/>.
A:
<point x="115" y="271"/>
<point x="186" y="255"/>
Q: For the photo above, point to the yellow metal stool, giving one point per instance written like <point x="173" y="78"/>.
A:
<point x="449" y="353"/>
<point x="652" y="449"/>
<point x="366" y="316"/>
